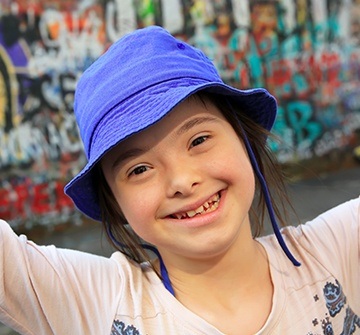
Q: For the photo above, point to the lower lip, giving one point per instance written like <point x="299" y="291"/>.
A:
<point x="202" y="219"/>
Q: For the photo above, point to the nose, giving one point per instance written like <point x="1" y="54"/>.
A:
<point x="182" y="179"/>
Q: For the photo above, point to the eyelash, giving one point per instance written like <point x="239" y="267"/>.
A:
<point x="202" y="139"/>
<point x="136" y="171"/>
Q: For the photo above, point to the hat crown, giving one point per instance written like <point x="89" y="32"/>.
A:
<point x="148" y="50"/>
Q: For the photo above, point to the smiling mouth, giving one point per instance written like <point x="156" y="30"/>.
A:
<point x="207" y="207"/>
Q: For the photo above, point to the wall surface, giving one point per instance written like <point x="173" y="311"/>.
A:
<point x="306" y="52"/>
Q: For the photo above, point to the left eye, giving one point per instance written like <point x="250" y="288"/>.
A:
<point x="198" y="140"/>
<point x="139" y="170"/>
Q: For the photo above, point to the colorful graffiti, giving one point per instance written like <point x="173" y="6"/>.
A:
<point x="306" y="52"/>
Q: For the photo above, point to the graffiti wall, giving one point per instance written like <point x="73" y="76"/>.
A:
<point x="306" y="52"/>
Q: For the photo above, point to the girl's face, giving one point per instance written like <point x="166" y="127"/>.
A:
<point x="184" y="184"/>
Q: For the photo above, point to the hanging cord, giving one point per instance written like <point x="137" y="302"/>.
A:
<point x="163" y="271"/>
<point x="269" y="206"/>
<point x="264" y="189"/>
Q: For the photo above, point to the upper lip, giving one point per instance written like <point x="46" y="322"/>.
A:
<point x="194" y="206"/>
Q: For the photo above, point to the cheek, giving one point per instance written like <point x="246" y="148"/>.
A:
<point x="237" y="166"/>
<point x="138" y="208"/>
<point x="247" y="178"/>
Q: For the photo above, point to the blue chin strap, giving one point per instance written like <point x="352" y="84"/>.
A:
<point x="267" y="198"/>
<point x="163" y="271"/>
<point x="264" y="189"/>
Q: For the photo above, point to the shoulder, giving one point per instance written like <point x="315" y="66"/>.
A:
<point x="331" y="240"/>
<point x="24" y="253"/>
<point x="333" y="227"/>
<point x="328" y="244"/>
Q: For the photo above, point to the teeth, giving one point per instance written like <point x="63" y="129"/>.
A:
<point x="190" y="214"/>
<point x="208" y="206"/>
<point x="199" y="210"/>
<point x="215" y="198"/>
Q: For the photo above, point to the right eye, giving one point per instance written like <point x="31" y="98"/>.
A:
<point x="139" y="170"/>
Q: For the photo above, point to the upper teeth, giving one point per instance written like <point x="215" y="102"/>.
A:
<point x="209" y="205"/>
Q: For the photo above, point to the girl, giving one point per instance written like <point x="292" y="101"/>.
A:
<point x="179" y="173"/>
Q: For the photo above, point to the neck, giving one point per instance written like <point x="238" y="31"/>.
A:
<point x="228" y="271"/>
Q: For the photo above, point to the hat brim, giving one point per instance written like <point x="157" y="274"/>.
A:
<point x="257" y="103"/>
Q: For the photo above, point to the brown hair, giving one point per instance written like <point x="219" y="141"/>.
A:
<point x="121" y="236"/>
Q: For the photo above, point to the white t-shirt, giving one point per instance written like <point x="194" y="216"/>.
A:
<point x="46" y="290"/>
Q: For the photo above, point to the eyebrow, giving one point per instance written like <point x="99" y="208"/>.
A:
<point x="194" y="122"/>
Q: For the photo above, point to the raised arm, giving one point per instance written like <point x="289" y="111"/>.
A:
<point x="46" y="290"/>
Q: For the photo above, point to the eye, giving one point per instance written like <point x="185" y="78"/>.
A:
<point x="139" y="170"/>
<point x="199" y="140"/>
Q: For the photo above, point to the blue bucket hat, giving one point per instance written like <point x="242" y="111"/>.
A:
<point x="133" y="85"/>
